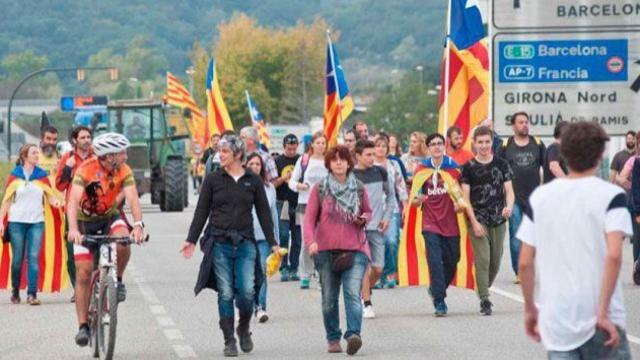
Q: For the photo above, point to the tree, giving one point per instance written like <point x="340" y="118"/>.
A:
<point x="17" y="65"/>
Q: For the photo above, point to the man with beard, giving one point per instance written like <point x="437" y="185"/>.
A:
<point x="455" y="146"/>
<point x="49" y="155"/>
<point x="623" y="155"/>
<point x="525" y="155"/>
<point x="554" y="166"/>
<point x="80" y="139"/>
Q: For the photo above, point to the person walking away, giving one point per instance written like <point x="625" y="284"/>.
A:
<point x="255" y="164"/>
<point x="525" y="155"/>
<point x="571" y="257"/>
<point x="287" y="203"/>
<point x="554" y="166"/>
<point x="455" y="146"/>
<point x="392" y="235"/>
<point x="308" y="171"/>
<point x="80" y="139"/>
<point x="440" y="227"/>
<point x="230" y="264"/>
<point x="382" y="198"/>
<point x="487" y="186"/>
<point x="334" y="233"/>
<point x="418" y="152"/>
<point x="27" y="193"/>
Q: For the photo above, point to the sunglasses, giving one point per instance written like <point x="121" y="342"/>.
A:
<point x="439" y="143"/>
<point x="290" y="141"/>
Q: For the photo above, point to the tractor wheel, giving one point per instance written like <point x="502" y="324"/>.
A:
<point x="174" y="171"/>
<point x="185" y="187"/>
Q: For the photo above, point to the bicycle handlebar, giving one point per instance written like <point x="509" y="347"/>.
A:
<point x="106" y="239"/>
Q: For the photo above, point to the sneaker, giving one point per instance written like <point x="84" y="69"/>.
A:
<point x="284" y="275"/>
<point x="304" y="283"/>
<point x="33" y="300"/>
<point x="390" y="283"/>
<point x="485" y="307"/>
<point x="15" y="296"/>
<point x="334" y="347"/>
<point x="441" y="309"/>
<point x="122" y="292"/>
<point x="354" y="343"/>
<point x="379" y="285"/>
<point x="73" y="297"/>
<point x="262" y="316"/>
<point x="368" y="312"/>
<point x="293" y="275"/>
<point x="82" y="338"/>
<point x="516" y="280"/>
<point x="636" y="272"/>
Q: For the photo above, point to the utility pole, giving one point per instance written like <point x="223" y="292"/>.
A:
<point x="79" y="73"/>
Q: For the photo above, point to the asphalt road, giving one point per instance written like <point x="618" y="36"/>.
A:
<point x="162" y="319"/>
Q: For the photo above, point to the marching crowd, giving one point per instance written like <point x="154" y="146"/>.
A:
<point x="339" y="210"/>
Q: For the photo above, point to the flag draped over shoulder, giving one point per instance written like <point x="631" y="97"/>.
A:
<point x="466" y="92"/>
<point x="218" y="120"/>
<point x="257" y="121"/>
<point x="338" y="104"/>
<point x="179" y="96"/>
<point x="412" y="253"/>
<point x="53" y="276"/>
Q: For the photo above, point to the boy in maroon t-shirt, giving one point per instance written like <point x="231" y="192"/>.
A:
<point x="439" y="224"/>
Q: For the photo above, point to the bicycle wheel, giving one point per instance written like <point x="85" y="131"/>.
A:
<point x="108" y="315"/>
<point x="93" y="314"/>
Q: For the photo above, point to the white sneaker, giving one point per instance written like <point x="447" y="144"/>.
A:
<point x="368" y="313"/>
<point x="262" y="316"/>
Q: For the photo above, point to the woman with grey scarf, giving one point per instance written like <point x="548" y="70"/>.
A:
<point x="334" y="235"/>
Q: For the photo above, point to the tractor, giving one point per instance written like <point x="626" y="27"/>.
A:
<point x="157" y="154"/>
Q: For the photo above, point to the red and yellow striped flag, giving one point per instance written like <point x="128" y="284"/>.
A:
<point x="53" y="275"/>
<point x="179" y="96"/>
<point x="218" y="119"/>
<point x="466" y="90"/>
<point x="338" y="104"/>
<point x="413" y="269"/>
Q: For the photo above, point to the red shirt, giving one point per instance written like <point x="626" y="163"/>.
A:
<point x="460" y="156"/>
<point x="438" y="212"/>
<point x="63" y="181"/>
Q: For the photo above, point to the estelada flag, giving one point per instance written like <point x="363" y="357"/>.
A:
<point x="338" y="104"/>
<point x="218" y="119"/>
<point x="179" y="96"/>
<point x="257" y="121"/>
<point x="413" y="269"/>
<point x="466" y="92"/>
<point x="53" y="276"/>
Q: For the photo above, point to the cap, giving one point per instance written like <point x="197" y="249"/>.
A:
<point x="290" y="139"/>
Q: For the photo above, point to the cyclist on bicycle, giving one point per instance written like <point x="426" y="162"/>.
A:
<point x="93" y="209"/>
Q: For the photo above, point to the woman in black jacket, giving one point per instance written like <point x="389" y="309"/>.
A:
<point x="230" y="253"/>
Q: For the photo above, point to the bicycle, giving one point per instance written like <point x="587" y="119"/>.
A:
<point x="103" y="303"/>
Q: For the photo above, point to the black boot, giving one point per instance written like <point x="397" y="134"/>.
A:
<point x="244" y="335"/>
<point x="230" y="347"/>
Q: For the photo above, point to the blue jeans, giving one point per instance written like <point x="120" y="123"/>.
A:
<point x="29" y="235"/>
<point x="292" y="259"/>
<point x="443" y="254"/>
<point x="514" y="243"/>
<point x="264" y="249"/>
<point x="351" y="281"/>
<point x="391" y="239"/>
<point x="594" y="349"/>
<point x="235" y="275"/>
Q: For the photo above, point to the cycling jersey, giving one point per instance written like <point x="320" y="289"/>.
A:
<point x="101" y="187"/>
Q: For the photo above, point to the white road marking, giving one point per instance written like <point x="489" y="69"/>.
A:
<point x="160" y="312"/>
<point x="520" y="299"/>
<point x="184" y="351"/>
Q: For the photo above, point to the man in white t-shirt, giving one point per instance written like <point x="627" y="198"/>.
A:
<point x="572" y="251"/>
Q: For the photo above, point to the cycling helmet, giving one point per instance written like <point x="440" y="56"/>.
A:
<point x="110" y="143"/>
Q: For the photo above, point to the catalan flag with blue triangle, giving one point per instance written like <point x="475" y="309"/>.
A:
<point x="338" y="104"/>
<point x="218" y="120"/>
<point x="257" y="121"/>
<point x="466" y="91"/>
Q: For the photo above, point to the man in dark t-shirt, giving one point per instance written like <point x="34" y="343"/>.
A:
<point x="621" y="157"/>
<point x="554" y="165"/>
<point x="287" y="202"/>
<point x="487" y="185"/>
<point x="525" y="155"/>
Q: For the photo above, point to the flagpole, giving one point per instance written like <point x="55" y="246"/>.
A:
<point x="335" y="80"/>
<point x="446" y="71"/>
<point x="490" y="52"/>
